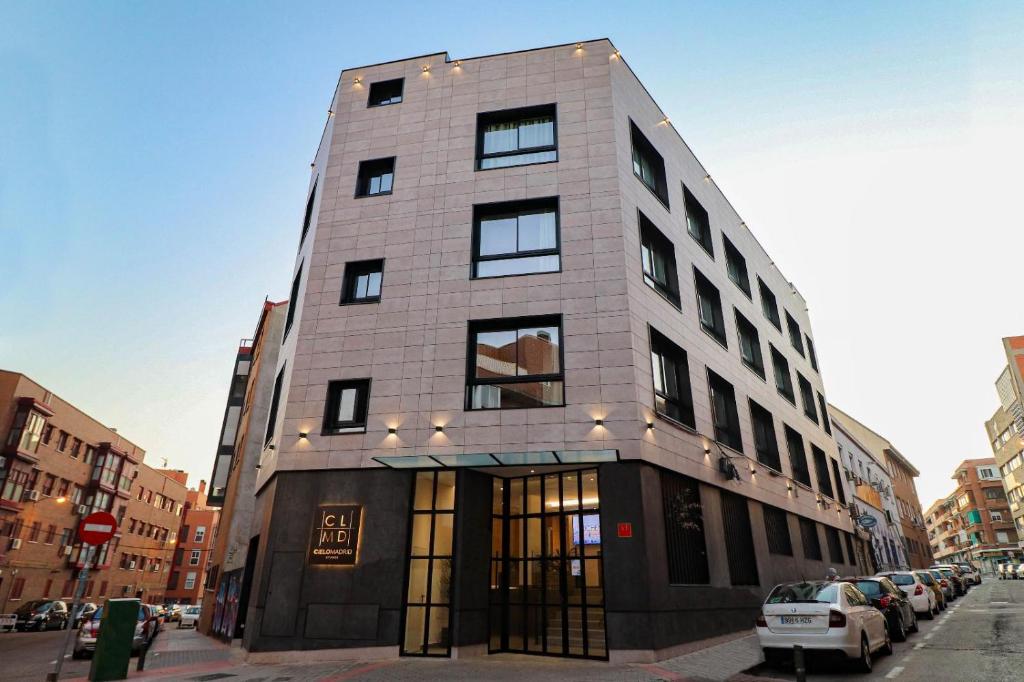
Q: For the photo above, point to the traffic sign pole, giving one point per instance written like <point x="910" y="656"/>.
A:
<point x="82" y="576"/>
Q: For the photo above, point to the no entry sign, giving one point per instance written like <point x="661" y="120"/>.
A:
<point x="97" y="528"/>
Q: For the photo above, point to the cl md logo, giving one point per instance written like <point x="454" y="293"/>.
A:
<point x="335" y="538"/>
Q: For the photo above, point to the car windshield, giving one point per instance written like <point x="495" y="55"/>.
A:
<point x="901" y="578"/>
<point x="926" y="578"/>
<point x="794" y="593"/>
<point x="192" y="610"/>
<point x="948" y="572"/>
<point x="871" y="588"/>
<point x="965" y="567"/>
<point x="38" y="605"/>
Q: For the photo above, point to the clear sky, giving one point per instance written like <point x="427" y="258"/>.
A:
<point x="154" y="159"/>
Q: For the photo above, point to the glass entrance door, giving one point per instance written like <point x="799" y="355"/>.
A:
<point x="547" y="587"/>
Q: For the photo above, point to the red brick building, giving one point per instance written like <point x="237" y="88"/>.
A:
<point x="195" y="543"/>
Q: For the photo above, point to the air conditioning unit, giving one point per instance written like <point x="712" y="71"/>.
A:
<point x="66" y="550"/>
<point x="31" y="495"/>
<point x="131" y="565"/>
<point x="16" y="543"/>
<point x="82" y="509"/>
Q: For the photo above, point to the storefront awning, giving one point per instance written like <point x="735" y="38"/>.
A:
<point x="495" y="459"/>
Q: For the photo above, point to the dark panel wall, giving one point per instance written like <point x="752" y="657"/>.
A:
<point x="472" y="555"/>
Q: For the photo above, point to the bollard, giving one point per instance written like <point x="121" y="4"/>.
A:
<point x="799" y="663"/>
<point x="141" y="663"/>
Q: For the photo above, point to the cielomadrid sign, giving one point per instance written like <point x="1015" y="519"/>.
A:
<point x="335" y="540"/>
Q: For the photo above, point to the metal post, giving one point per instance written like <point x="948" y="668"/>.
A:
<point x="82" y="575"/>
<point x="799" y="663"/>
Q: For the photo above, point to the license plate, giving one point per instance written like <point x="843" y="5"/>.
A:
<point x="797" y="620"/>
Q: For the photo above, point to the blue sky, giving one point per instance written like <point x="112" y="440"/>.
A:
<point x="154" y="160"/>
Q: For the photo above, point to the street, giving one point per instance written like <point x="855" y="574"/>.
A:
<point x="31" y="655"/>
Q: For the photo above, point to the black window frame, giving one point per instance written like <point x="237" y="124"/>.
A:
<point x="308" y="218"/>
<point x="739" y="539"/>
<point x="685" y="535"/>
<point x="275" y="401"/>
<point x="840" y="490"/>
<point x="353" y="271"/>
<point x="736" y="267"/>
<point x="695" y="213"/>
<point x="798" y="465"/>
<point x="780" y="363"/>
<point x="776" y="529"/>
<point x="745" y="328"/>
<point x="811" y="355"/>
<point x="822" y="472"/>
<point x="795" y="334"/>
<point x="655" y="241"/>
<point x="331" y="426"/>
<point x="825" y="419"/>
<point x="378" y="86"/>
<point x="661" y="345"/>
<point x="810" y="410"/>
<point x="727" y="424"/>
<point x="810" y="539"/>
<point x="701" y="286"/>
<point x="517" y="114"/>
<point x="640" y="145"/>
<point x="766" y="441"/>
<point x="517" y="207"/>
<point x="512" y="324"/>
<point x="364" y="174"/>
<point x="769" y="304"/>
<point x="835" y="544"/>
<point x="289" y="318"/>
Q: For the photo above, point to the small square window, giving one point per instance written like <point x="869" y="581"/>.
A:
<point x="709" y="308"/>
<point x="516" y="137"/>
<point x="385" y="92"/>
<point x="362" y="281"/>
<point x="750" y="344"/>
<point x="659" y="261"/>
<point x="736" y="265"/>
<point x="347" y="403"/>
<point x="698" y="224"/>
<point x="769" y="306"/>
<point x="375" y="177"/>
<point x="783" y="379"/>
<point x="794" y="334"/>
<point x="516" y="238"/>
<point x="648" y="164"/>
<point x="672" y="396"/>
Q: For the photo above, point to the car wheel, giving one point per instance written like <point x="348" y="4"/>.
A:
<point x="900" y="634"/>
<point x="932" y="612"/>
<point x="76" y="654"/>
<point x="864" y="663"/>
<point x="914" y="626"/>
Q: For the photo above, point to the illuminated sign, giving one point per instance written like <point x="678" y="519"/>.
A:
<point x="335" y="540"/>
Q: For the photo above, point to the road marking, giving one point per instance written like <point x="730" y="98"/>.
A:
<point x="894" y="673"/>
<point x="919" y="645"/>
<point x="929" y="635"/>
<point x="1000" y="602"/>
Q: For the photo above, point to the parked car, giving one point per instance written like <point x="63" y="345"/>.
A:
<point x="82" y="613"/>
<point x="932" y="584"/>
<point x="921" y="597"/>
<point x="173" y="613"/>
<point x="145" y="630"/>
<point x="891" y="601"/>
<point x="42" y="614"/>
<point x="189" y="617"/>
<point x="972" y="574"/>
<point x="945" y="584"/>
<point x="1007" y="571"/>
<point x="953" y="575"/>
<point x="824" y="618"/>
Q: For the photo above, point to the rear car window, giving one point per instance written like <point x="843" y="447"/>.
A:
<point x="926" y="578"/>
<point x="827" y="593"/>
<point x="869" y="587"/>
<point x="902" y="579"/>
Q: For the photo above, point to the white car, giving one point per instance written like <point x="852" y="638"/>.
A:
<point x="189" y="617"/>
<point x="921" y="597"/>
<point x="823" y="617"/>
<point x="970" y="573"/>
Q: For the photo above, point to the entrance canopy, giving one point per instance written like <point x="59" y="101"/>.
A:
<point x="491" y="459"/>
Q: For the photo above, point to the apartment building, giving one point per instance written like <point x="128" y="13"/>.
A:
<point x="540" y="387"/>
<point x="901" y="474"/>
<point x="192" y="554"/>
<point x="973" y="522"/>
<point x="874" y="503"/>
<point x="1006" y="428"/>
<point x="57" y="465"/>
<point x="230" y="578"/>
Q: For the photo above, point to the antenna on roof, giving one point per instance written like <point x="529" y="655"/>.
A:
<point x="164" y="459"/>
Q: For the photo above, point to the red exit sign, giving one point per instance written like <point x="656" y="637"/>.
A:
<point x="625" y="529"/>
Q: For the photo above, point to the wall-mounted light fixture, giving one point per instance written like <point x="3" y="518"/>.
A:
<point x="616" y="55"/>
<point x="598" y="422"/>
<point x="707" y="178"/>
<point x="457" y="64"/>
<point x="650" y="425"/>
<point x="753" y="469"/>
<point x="303" y="434"/>
<point x="357" y="81"/>
<point x="330" y="113"/>
<point x="392" y="430"/>
<point x="707" y="450"/>
<point x="426" y="68"/>
<point x="439" y="428"/>
<point x="664" y="121"/>
<point x="579" y="46"/>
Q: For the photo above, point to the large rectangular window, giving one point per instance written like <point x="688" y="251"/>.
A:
<point x="776" y="528"/>
<point x="783" y="379"/>
<point x="723" y="412"/>
<point x="362" y="281"/>
<point x="516" y="238"/>
<point x="739" y="539"/>
<point x="309" y="212"/>
<point x="807" y="398"/>
<point x="659" y="260"/>
<point x="769" y="306"/>
<point x="274" y="402"/>
<point x="750" y="344"/>
<point x="736" y="265"/>
<point x="698" y="224"/>
<point x="835" y="545"/>
<point x="709" y="307"/>
<point x="795" y="338"/>
<point x="648" y="164"/>
<point x="293" y="301"/>
<point x="383" y="93"/>
<point x="840" y="492"/>
<point x="684" y="530"/>
<point x="347" y="405"/>
<point x="515" y="363"/>
<point x="825" y="419"/>
<point x="765" y="444"/>
<point x="516" y="137"/>
<point x="375" y="177"/>
<point x="811" y="355"/>
<point x="821" y="469"/>
<point x="672" y="395"/>
<point x="797" y="456"/>
<point x="809" y="538"/>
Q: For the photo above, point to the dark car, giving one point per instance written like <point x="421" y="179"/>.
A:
<point x="42" y="614"/>
<point x="952" y="574"/>
<point x="82" y="614"/>
<point x="892" y="602"/>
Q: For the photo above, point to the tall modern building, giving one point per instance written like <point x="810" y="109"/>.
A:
<point x="540" y="387"/>
<point x="1006" y="428"/>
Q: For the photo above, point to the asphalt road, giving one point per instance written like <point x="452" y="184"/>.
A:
<point x="31" y="655"/>
<point x="979" y="637"/>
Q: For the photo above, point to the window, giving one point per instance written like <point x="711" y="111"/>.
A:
<point x="797" y="456"/>
<point x="34" y="530"/>
<point x="516" y="137"/>
<point x="648" y="165"/>
<point x="807" y="398"/>
<point x="51" y="532"/>
<point x="47" y="434"/>
<point x="200" y="534"/>
<point x="684" y="530"/>
<point x="739" y="539"/>
<point x="835" y="545"/>
<point x="90" y="454"/>
<point x="194" y="556"/>
<point x="362" y="281"/>
<point x="309" y="211"/>
<point x="671" y="372"/>
<point x="347" y="403"/>
<point x="375" y="177"/>
<point x="17" y="586"/>
<point x="515" y="363"/>
<point x="996" y="516"/>
<point x="516" y="238"/>
<point x="1002" y="536"/>
<point x="62" y="441"/>
<point x="769" y="306"/>
<point x="765" y="444"/>
<point x="776" y="527"/>
<point x="840" y="492"/>
<point x="810" y="539"/>
<point x="274" y="402"/>
<point x="821" y="469"/>
<point x="709" y="308"/>
<point x="736" y="265"/>
<point x="825" y="419"/>
<point x="190" y="580"/>
<point x="383" y="93"/>
<point x="76" y="448"/>
<point x="723" y="412"/>
<point x="293" y="301"/>
<point x="783" y="380"/>
<point x="698" y="224"/>
<point x="794" y="334"/>
<point x="63" y="488"/>
<point x="49" y="480"/>
<point x="659" y="261"/>
<point x="750" y="344"/>
<point x="810" y="353"/>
